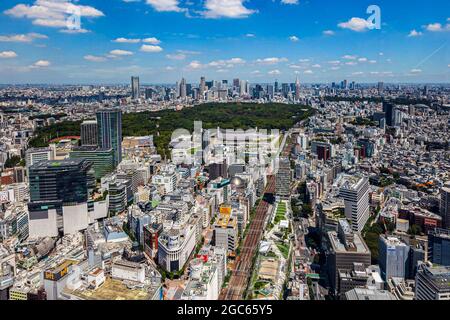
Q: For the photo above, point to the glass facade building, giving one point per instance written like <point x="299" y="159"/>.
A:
<point x="109" y="132"/>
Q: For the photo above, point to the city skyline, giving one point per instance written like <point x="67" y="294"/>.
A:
<point x="222" y="39"/>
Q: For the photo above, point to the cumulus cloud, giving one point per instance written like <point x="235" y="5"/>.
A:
<point x="416" y="71"/>
<point x="41" y="64"/>
<point x="151" y="40"/>
<point x="349" y="57"/>
<point x="165" y="5"/>
<point x="355" y="24"/>
<point x="289" y="1"/>
<point x="414" y="33"/>
<point x="126" y="40"/>
<point x="437" y="27"/>
<point x="274" y="72"/>
<point x="150" y="48"/>
<point x="53" y="13"/>
<point x="308" y="72"/>
<point x="226" y="9"/>
<point x="294" y="38"/>
<point x="118" y="52"/>
<point x="272" y="60"/>
<point x="7" y="54"/>
<point x="94" y="58"/>
<point x="328" y="32"/>
<point x="176" y="56"/>
<point x="29" y="37"/>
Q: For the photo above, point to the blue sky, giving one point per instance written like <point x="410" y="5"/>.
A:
<point x="258" y="40"/>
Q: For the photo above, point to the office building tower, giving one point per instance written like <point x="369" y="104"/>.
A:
<point x="393" y="257"/>
<point x="242" y="88"/>
<point x="380" y="87"/>
<point x="297" y="89"/>
<point x="283" y="178"/>
<point x="444" y="209"/>
<point x="183" y="89"/>
<point x="202" y="88"/>
<point x="432" y="282"/>
<point x="109" y="132"/>
<point x="35" y="155"/>
<point x="276" y="86"/>
<point x="89" y="133"/>
<point x="439" y="246"/>
<point x="346" y="249"/>
<point x="355" y="192"/>
<point x="236" y="83"/>
<point x="135" y="88"/>
<point x="388" y="109"/>
<point x="102" y="159"/>
<point x="58" y="197"/>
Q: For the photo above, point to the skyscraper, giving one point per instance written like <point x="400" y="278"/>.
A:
<point x="202" y="88"/>
<point x="393" y="257"/>
<point x="109" y="131"/>
<point x="297" y="89"/>
<point x="355" y="191"/>
<point x="445" y="205"/>
<point x="388" y="109"/>
<point x="58" y="197"/>
<point x="183" y="89"/>
<point x="432" y="283"/>
<point x="439" y="246"/>
<point x="89" y="133"/>
<point x="135" y="89"/>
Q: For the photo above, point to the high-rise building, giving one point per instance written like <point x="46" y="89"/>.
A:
<point x="355" y="191"/>
<point x="445" y="205"/>
<point x="432" y="282"/>
<point x="183" y="89"/>
<point x="35" y="155"/>
<point x="58" y="197"/>
<point x="89" y="133"/>
<point x="109" y="132"/>
<point x="297" y="89"/>
<point x="393" y="257"/>
<point x="380" y="87"/>
<point x="439" y="246"/>
<point x="202" y="88"/>
<point x="346" y="249"/>
<point x="135" y="88"/>
<point x="388" y="109"/>
<point x="102" y="159"/>
<point x="283" y="178"/>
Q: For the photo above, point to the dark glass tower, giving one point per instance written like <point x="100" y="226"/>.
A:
<point x="109" y="132"/>
<point x="65" y="181"/>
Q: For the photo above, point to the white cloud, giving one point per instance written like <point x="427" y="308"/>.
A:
<point x="177" y="56"/>
<point x="7" y="54"/>
<point x="150" y="48"/>
<point x="74" y="31"/>
<point x="372" y="61"/>
<point x="303" y="60"/>
<point x="355" y="24"/>
<point x="328" y="32"/>
<point x="289" y="1"/>
<point x="416" y="71"/>
<point x="335" y="68"/>
<point x="434" y="27"/>
<point x="119" y="52"/>
<point x="226" y="9"/>
<point x="195" y="65"/>
<point x="270" y="61"/>
<point x="294" y="38"/>
<point x="41" y="64"/>
<point x="29" y="37"/>
<point x="274" y="72"/>
<point x="414" y="33"/>
<point x="362" y="59"/>
<point x="92" y="58"/>
<point x="53" y="13"/>
<point x="165" y="5"/>
<point x="316" y="66"/>
<point x="308" y="72"/>
<point x="334" y="62"/>
<point x="125" y="40"/>
<point x="349" y="57"/>
<point x="358" y="73"/>
<point x="169" y="68"/>
<point x="250" y="35"/>
<point x="351" y="63"/>
<point x="151" y="40"/>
